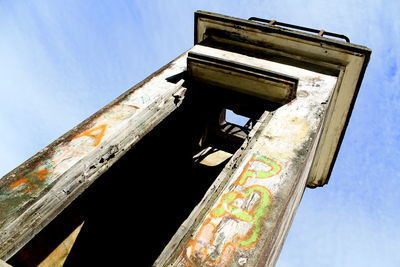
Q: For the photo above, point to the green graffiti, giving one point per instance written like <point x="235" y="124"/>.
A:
<point x="250" y="173"/>
<point x="144" y="99"/>
<point x="260" y="212"/>
<point x="227" y="200"/>
<point x="253" y="216"/>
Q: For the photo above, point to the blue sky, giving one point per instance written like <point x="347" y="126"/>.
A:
<point x="60" y="61"/>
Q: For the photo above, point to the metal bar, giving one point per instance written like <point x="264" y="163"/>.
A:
<point x="276" y="23"/>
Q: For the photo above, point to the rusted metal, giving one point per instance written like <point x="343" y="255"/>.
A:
<point x="286" y="25"/>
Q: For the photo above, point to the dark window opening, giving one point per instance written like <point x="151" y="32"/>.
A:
<point x="138" y="204"/>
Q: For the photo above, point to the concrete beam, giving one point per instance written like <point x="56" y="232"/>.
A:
<point x="34" y="193"/>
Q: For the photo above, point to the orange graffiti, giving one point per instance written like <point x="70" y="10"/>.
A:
<point x="96" y="133"/>
<point x="19" y="182"/>
<point x="32" y="180"/>
<point x="212" y="247"/>
<point x="201" y="246"/>
<point x="41" y="175"/>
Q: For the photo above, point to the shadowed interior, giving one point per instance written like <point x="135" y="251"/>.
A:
<point x="132" y="210"/>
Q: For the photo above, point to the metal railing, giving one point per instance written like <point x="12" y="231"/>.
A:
<point x="286" y="25"/>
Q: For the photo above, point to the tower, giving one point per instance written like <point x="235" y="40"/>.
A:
<point x="166" y="155"/>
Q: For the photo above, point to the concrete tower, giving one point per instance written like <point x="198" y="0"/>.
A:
<point x="203" y="163"/>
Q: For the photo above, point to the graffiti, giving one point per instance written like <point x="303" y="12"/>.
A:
<point x="202" y="247"/>
<point x="256" y="169"/>
<point x="41" y="175"/>
<point x="21" y="190"/>
<point x="144" y="99"/>
<point x="139" y="100"/>
<point x="96" y="133"/>
<point x="254" y="216"/>
<point x="30" y="181"/>
<point x="19" y="182"/>
<point x="18" y="190"/>
<point x="243" y="210"/>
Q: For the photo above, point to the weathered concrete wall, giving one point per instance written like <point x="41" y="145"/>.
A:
<point x="242" y="224"/>
<point x="35" y="192"/>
